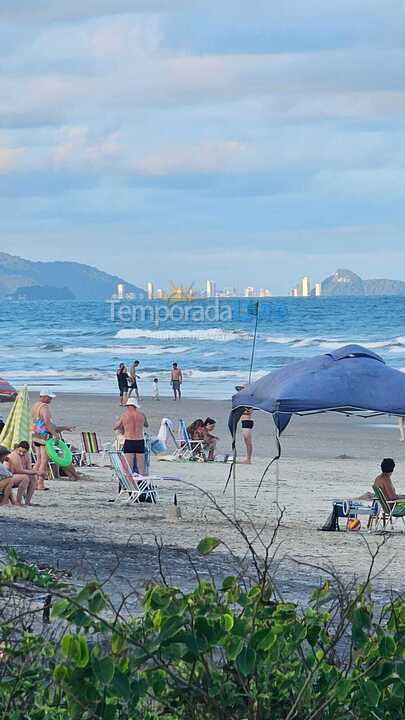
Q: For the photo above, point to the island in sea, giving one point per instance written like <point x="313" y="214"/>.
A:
<point x="22" y="279"/>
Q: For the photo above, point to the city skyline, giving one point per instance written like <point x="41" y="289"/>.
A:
<point x="159" y="135"/>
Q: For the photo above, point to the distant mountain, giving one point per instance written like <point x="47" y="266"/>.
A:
<point x="83" y="281"/>
<point x="343" y="282"/>
<point x="346" y="282"/>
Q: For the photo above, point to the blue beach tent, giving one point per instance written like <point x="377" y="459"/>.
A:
<point x="349" y="380"/>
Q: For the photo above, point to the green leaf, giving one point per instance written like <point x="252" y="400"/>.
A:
<point x="246" y="661"/>
<point x="120" y="685"/>
<point x="387" y="646"/>
<point x="208" y="544"/>
<point x="372" y="693"/>
<point x="228" y="622"/>
<point x="103" y="670"/>
<point x="67" y="646"/>
<point x="233" y="646"/>
<point x="59" y="608"/>
<point x="81" y="652"/>
<point x="96" y="602"/>
<point x="228" y="583"/>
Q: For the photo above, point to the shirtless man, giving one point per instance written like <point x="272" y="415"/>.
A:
<point x="176" y="379"/>
<point x="6" y="479"/>
<point x="43" y="428"/>
<point x="19" y="464"/>
<point x="131" y="424"/>
<point x="383" y="482"/>
<point x="134" y="380"/>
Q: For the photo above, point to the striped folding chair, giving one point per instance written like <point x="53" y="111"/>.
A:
<point x="92" y="446"/>
<point x="132" y="485"/>
<point x="189" y="449"/>
<point x="390" y="509"/>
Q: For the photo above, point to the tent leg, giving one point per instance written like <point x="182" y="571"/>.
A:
<point x="277" y="481"/>
<point x="234" y="488"/>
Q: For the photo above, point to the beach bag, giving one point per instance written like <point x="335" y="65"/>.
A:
<point x="332" y="523"/>
<point x="149" y="497"/>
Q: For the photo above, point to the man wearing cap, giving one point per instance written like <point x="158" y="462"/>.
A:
<point x="131" y="424"/>
<point x="43" y="428"/>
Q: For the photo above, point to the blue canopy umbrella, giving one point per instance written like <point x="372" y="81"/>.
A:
<point x="349" y="380"/>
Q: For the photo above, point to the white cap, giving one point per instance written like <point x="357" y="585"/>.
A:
<point x="133" y="403"/>
<point x="45" y="392"/>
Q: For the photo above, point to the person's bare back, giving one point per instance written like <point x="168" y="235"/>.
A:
<point x="132" y="423"/>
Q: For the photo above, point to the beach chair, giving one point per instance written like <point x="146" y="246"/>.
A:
<point x="132" y="484"/>
<point x="91" y="445"/>
<point x="390" y="509"/>
<point x="189" y="449"/>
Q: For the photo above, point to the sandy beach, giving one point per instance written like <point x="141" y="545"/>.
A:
<point x="75" y="527"/>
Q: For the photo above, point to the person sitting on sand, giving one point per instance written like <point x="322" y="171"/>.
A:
<point x="131" y="424"/>
<point x="19" y="463"/>
<point x="6" y="479"/>
<point x="384" y="483"/>
<point x="204" y="434"/>
<point x="43" y="428"/>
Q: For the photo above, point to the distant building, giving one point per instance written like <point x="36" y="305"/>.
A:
<point x="264" y="292"/>
<point x="120" y="291"/>
<point x="318" y="289"/>
<point x="150" y="291"/>
<point x="249" y="292"/>
<point x="295" y="292"/>
<point x="211" y="290"/>
<point x="159" y="294"/>
<point x="306" y="286"/>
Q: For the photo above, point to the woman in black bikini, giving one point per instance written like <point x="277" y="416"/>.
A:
<point x="247" y="427"/>
<point x="122" y="379"/>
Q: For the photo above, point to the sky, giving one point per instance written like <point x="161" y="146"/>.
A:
<point x="179" y="140"/>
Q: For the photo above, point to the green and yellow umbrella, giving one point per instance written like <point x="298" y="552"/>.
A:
<point x="18" y="423"/>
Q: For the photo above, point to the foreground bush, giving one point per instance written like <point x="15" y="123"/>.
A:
<point x="216" y="653"/>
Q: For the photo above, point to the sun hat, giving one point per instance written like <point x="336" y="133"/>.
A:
<point x="45" y="392"/>
<point x="133" y="403"/>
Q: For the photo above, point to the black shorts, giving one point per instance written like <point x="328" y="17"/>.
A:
<point x="134" y="446"/>
<point x="123" y="389"/>
<point x="247" y="424"/>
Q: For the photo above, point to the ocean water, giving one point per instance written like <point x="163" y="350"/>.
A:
<point x="76" y="347"/>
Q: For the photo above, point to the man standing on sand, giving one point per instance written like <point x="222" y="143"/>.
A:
<point x="19" y="464"/>
<point x="176" y="379"/>
<point x="43" y="428"/>
<point x="134" y="377"/>
<point x="131" y="425"/>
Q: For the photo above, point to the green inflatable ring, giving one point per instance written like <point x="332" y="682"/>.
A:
<point x="58" y="452"/>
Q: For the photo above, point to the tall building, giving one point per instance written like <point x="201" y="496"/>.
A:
<point x="306" y="286"/>
<point x="211" y="290"/>
<point x="159" y="294"/>
<point x="318" y="289"/>
<point x="150" y="290"/>
<point x="249" y="291"/>
<point x="120" y="291"/>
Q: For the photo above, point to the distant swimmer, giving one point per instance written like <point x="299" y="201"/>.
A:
<point x="176" y="380"/>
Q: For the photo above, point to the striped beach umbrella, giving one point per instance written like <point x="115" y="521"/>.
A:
<point x="7" y="392"/>
<point x="18" y="423"/>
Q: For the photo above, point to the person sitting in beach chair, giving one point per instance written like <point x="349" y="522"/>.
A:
<point x="392" y="504"/>
<point x="204" y="435"/>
